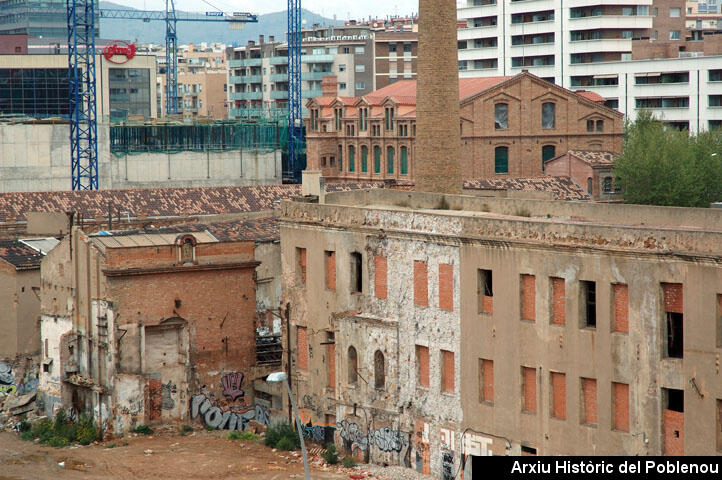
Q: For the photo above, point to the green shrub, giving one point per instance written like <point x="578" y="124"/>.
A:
<point x="57" y="441"/>
<point x="111" y="445"/>
<point x="348" y="462"/>
<point x="27" y="436"/>
<point x="246" y="436"/>
<point x="24" y="426"/>
<point x="286" y="443"/>
<point x="330" y="455"/>
<point x="143" y="429"/>
<point x="64" y="427"/>
<point x="87" y="430"/>
<point x="42" y="430"/>
<point x="183" y="430"/>
<point x="279" y="432"/>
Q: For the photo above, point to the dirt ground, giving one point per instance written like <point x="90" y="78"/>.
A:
<point x="165" y="455"/>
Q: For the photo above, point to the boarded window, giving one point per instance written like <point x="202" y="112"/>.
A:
<point x="588" y="304"/>
<point x="558" y="301"/>
<point x="548" y="115"/>
<point x="620" y="403"/>
<point x="379" y="370"/>
<point x="485" y="291"/>
<point x="501" y="160"/>
<point x="446" y="286"/>
<point x="422" y="364"/>
<point x="486" y="380"/>
<point x="330" y="260"/>
<point x="621" y="307"/>
<point x="559" y="395"/>
<point x="447" y="371"/>
<point x="380" y="277"/>
<point x="528" y="298"/>
<point x="352" y="365"/>
<point x="528" y="379"/>
<point x="300" y="266"/>
<point x="501" y="116"/>
<point x="421" y="287"/>
<point x="589" y="401"/>
<point x="302" y="346"/>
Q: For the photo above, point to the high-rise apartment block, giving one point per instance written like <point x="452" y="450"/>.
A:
<point x="15" y="19"/>
<point x="622" y="50"/>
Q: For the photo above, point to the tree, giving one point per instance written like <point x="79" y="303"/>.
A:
<point x="664" y="166"/>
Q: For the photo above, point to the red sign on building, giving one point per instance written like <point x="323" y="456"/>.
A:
<point x="119" y="48"/>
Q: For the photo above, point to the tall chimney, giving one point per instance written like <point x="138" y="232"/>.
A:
<point x="438" y="135"/>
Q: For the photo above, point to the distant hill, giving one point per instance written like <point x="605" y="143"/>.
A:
<point x="196" y="32"/>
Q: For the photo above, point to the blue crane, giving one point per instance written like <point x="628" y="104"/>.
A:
<point x="295" y="122"/>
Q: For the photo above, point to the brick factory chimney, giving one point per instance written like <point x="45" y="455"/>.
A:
<point x="438" y="136"/>
<point x="329" y="86"/>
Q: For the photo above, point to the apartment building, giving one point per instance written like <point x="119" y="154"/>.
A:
<point x="51" y="26"/>
<point x="592" y="44"/>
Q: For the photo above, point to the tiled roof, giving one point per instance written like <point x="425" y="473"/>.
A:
<point x="593" y="96"/>
<point x="19" y="255"/>
<point x="405" y="90"/>
<point x="152" y="202"/>
<point x="563" y="188"/>
<point x="593" y="158"/>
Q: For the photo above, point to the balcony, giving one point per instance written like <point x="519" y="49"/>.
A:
<point x="321" y="58"/>
<point x="601" y="45"/>
<point x="314" y="76"/>
<point x="599" y="3"/>
<point x="278" y="60"/>
<point x="311" y="93"/>
<point x="617" y="22"/>
<point x="248" y="62"/>
<point x="533" y="49"/>
<point x="472" y="33"/>
<point x="279" y="77"/>
<point x="246" y="79"/>
<point x="269" y="350"/>
<point x="247" y="96"/>
<point x="532" y="28"/>
<point x="464" y="13"/>
<point x="472" y="54"/>
<point x="279" y="95"/>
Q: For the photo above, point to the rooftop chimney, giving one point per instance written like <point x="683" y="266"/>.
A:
<point x="260" y="39"/>
<point x="438" y="136"/>
<point x="271" y="38"/>
<point x="329" y="86"/>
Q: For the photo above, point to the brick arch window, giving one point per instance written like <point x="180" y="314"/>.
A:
<point x="404" y="161"/>
<point x="352" y="365"/>
<point x="364" y="158"/>
<point x="351" y="158"/>
<point x="390" y="160"/>
<point x="501" y="116"/>
<point x="379" y="370"/>
<point x="186" y="248"/>
<point x="548" y="115"/>
<point x="377" y="159"/>
<point x="501" y="159"/>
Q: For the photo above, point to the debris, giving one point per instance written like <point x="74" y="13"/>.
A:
<point x="148" y="452"/>
<point x="61" y="464"/>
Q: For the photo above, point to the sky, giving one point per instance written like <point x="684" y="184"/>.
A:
<point x="328" y="8"/>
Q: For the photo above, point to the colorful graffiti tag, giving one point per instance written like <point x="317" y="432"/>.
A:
<point x="223" y="418"/>
<point x="384" y="438"/>
<point x="7" y="379"/>
<point x="232" y="384"/>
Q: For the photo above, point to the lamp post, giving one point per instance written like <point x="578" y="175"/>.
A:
<point x="281" y="377"/>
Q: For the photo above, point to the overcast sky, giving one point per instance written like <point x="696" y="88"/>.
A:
<point x="343" y="9"/>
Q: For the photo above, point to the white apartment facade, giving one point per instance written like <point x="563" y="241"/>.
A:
<point x="587" y="44"/>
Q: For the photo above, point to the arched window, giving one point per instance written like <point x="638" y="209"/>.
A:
<point x="379" y="370"/>
<point x="364" y="158"/>
<point x="501" y="116"/>
<point x="390" y="160"/>
<point x="501" y="160"/>
<point x="352" y="366"/>
<point x="548" y="152"/>
<point x="351" y="158"/>
<point x="377" y="159"/>
<point x="404" y="160"/>
<point x="187" y="251"/>
<point x="590" y="186"/>
<point x="548" y="114"/>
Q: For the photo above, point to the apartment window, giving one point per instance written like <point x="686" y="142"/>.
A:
<point x="446" y="286"/>
<point x="501" y="159"/>
<point x="300" y="266"/>
<point x="486" y="381"/>
<point x="674" y="34"/>
<point x="715" y="75"/>
<point x="620" y="312"/>
<point x="356" y="272"/>
<point x="612" y="103"/>
<point x="528" y="298"/>
<point x="302" y="346"/>
<point x="342" y="67"/>
<point x="380" y="277"/>
<point x="379" y="370"/>
<point x="364" y="158"/>
<point x="548" y="114"/>
<point x="352" y="366"/>
<point x="404" y="161"/>
<point x="714" y="100"/>
<point x="330" y="264"/>
<point x="422" y="365"/>
<point x="501" y="116"/>
<point x="360" y="50"/>
<point x="674" y="12"/>
<point x="390" y="160"/>
<point x="590" y="125"/>
<point x="377" y="159"/>
<point x="588" y="304"/>
<point x="558" y="301"/>
<point x="360" y="85"/>
<point x="528" y="379"/>
<point x="421" y="290"/>
<point x="342" y="85"/>
<point x="485" y="291"/>
<point x="600" y="125"/>
<point x="559" y="395"/>
<point x="351" y="158"/>
<point x="447" y="371"/>
<point x="589" y="401"/>
<point x="675" y="319"/>
<point x="656" y="11"/>
<point x="360" y="68"/>
<point x="620" y="404"/>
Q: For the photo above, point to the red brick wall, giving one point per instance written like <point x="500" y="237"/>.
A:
<point x="301" y="265"/>
<point x="447" y="366"/>
<point x="621" y="307"/>
<point x="621" y="406"/>
<point x="559" y="305"/>
<point x="559" y="395"/>
<point x="422" y="360"/>
<point x="589" y="397"/>
<point x="446" y="286"/>
<point x="672" y="297"/>
<point x="421" y="286"/>
<point x="528" y="298"/>
<point x="673" y="433"/>
<point x="486" y="368"/>
<point x="529" y="379"/>
<point x="380" y="277"/>
<point x="331" y="270"/>
<point x="302" y="346"/>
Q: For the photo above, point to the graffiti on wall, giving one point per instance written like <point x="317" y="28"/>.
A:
<point x="168" y="390"/>
<point x="225" y="418"/>
<point x="7" y="379"/>
<point x="232" y="384"/>
<point x="447" y="466"/>
<point x="318" y="433"/>
<point x="385" y="439"/>
<point x="10" y="384"/>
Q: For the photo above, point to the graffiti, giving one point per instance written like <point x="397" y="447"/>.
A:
<point x="317" y="433"/>
<point x="447" y="466"/>
<point x="7" y="379"/>
<point x="29" y="385"/>
<point x="8" y="389"/>
<point x="385" y="438"/>
<point x="224" y="419"/>
<point x="353" y="435"/>
<point x="232" y="384"/>
<point x="167" y="391"/>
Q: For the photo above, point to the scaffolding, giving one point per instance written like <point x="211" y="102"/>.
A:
<point x="217" y="137"/>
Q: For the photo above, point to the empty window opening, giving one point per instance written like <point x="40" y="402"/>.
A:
<point x="528" y="451"/>
<point x="356" y="273"/>
<point x="674" y="335"/>
<point x="352" y="366"/>
<point x="588" y="303"/>
<point x="379" y="370"/>
<point x="485" y="291"/>
<point x="674" y="399"/>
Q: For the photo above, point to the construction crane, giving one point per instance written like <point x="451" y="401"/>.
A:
<point x="295" y="122"/>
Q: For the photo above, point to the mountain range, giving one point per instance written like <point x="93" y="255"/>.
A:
<point x="196" y="32"/>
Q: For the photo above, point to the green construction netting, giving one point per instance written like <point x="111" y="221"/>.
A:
<point x="218" y="137"/>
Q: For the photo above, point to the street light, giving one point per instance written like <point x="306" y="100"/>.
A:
<point x="281" y="377"/>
